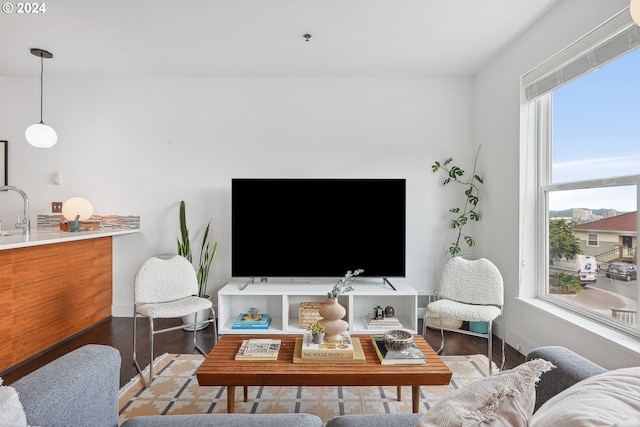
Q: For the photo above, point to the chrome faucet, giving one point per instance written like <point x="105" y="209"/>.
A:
<point x="26" y="222"/>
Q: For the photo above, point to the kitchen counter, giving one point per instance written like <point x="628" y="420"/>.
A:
<point x="14" y="239"/>
<point x="53" y="285"/>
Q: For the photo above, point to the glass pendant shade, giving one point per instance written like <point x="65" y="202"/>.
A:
<point x="634" y="9"/>
<point x="41" y="135"/>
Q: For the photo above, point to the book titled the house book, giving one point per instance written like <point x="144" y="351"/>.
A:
<point x="358" y="354"/>
<point x="411" y="356"/>
<point x="258" y="349"/>
<point x="328" y="350"/>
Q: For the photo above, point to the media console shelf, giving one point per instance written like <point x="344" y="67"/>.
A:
<point x="282" y="301"/>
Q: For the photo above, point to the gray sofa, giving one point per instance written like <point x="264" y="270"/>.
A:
<point x="81" y="389"/>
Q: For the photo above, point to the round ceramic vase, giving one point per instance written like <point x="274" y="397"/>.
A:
<point x="332" y="314"/>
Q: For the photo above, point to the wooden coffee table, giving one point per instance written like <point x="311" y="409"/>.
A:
<point x="221" y="369"/>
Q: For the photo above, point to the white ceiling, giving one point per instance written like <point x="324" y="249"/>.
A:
<point x="231" y="38"/>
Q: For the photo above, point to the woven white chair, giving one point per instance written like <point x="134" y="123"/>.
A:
<point x="165" y="287"/>
<point x="472" y="290"/>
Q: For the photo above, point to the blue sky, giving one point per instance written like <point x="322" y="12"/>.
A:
<point x="596" y="133"/>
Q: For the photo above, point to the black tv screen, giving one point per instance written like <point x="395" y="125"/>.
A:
<point x="317" y="227"/>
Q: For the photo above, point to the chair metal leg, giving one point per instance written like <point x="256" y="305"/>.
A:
<point x="441" y="336"/>
<point x="151" y="334"/>
<point x="490" y="346"/>
<point x="504" y="334"/>
<point x="135" y="343"/>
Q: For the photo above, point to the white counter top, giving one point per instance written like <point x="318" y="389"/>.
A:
<point x="16" y="240"/>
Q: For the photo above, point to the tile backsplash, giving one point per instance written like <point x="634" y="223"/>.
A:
<point x="110" y="222"/>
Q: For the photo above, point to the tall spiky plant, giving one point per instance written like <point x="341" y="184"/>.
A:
<point x="184" y="246"/>
<point x="207" y="251"/>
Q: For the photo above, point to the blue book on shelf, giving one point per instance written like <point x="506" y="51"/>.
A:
<point x="252" y="326"/>
<point x="245" y="319"/>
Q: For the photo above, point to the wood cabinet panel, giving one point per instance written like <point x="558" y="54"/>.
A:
<point x="49" y="293"/>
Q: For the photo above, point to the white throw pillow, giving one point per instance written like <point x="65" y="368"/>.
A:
<point x="608" y="399"/>
<point x="11" y="410"/>
<point x="503" y="399"/>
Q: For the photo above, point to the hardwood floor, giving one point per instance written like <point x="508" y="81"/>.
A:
<point x="118" y="332"/>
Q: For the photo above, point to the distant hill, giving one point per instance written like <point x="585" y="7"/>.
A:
<point x="569" y="212"/>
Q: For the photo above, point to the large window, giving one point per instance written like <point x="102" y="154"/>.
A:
<point x="586" y="104"/>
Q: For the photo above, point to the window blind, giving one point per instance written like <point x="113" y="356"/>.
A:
<point x="616" y="37"/>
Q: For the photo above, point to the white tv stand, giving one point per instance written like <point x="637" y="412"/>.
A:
<point x="281" y="300"/>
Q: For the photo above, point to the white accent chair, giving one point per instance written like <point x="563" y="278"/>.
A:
<point x="165" y="287"/>
<point x="470" y="289"/>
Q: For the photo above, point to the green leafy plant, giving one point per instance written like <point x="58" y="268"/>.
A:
<point x="570" y="282"/>
<point x="344" y="284"/>
<point x="316" y="328"/>
<point x="253" y="311"/>
<point x="207" y="251"/>
<point x="462" y="217"/>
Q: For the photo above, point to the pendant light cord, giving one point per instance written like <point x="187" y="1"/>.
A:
<point x="41" y="90"/>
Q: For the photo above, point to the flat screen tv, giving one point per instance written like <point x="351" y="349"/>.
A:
<point x="318" y="227"/>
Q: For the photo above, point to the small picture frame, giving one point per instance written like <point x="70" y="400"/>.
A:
<point x="4" y="163"/>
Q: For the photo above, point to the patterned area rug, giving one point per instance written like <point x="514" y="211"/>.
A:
<point x="175" y="390"/>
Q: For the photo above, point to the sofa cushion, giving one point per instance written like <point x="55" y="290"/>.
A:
<point x="606" y="399"/>
<point x="503" y="399"/>
<point x="227" y="420"/>
<point x="11" y="410"/>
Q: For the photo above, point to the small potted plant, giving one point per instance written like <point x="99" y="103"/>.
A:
<point x="317" y="332"/>
<point x="254" y="312"/>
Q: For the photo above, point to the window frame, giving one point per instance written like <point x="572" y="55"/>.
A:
<point x="537" y="129"/>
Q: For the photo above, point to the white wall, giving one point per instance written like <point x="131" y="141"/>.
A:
<point x="139" y="146"/>
<point x="506" y="231"/>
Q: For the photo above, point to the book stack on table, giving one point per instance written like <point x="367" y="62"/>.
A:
<point x="411" y="356"/>
<point x="344" y="350"/>
<point x="258" y="349"/>
<point x="384" y="323"/>
<point x="245" y="321"/>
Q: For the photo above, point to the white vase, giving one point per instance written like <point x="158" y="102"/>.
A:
<point x="332" y="314"/>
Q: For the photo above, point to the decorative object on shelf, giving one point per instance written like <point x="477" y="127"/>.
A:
<point x="253" y="311"/>
<point x="397" y="340"/>
<point x="76" y="210"/>
<point x="468" y="213"/>
<point x="386" y="323"/>
<point x="39" y="134"/>
<point x="317" y="332"/>
<point x="389" y="311"/>
<point x="332" y="312"/>
<point x="378" y="314"/>
<point x="247" y="321"/>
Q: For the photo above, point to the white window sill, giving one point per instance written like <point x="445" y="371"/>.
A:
<point x="625" y="342"/>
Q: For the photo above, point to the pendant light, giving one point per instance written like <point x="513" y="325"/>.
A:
<point x="634" y="9"/>
<point x="40" y="134"/>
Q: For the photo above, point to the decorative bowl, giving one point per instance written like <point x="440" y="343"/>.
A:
<point x="397" y="340"/>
